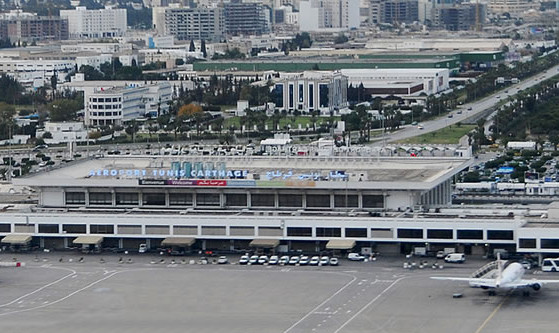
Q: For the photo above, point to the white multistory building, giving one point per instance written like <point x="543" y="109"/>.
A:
<point x="118" y="104"/>
<point x="95" y="23"/>
<point x="397" y="81"/>
<point x="329" y="15"/>
<point x="311" y="91"/>
<point x="35" y="73"/>
<point x="63" y="132"/>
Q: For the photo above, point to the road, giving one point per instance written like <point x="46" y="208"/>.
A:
<point x="468" y="110"/>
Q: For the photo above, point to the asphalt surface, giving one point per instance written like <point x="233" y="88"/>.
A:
<point x="476" y="108"/>
<point x="62" y="296"/>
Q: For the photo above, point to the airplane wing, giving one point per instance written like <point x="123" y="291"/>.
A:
<point x="529" y="283"/>
<point x="489" y="283"/>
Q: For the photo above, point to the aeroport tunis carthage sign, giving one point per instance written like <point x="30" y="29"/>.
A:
<point x="170" y="173"/>
<point x="187" y="170"/>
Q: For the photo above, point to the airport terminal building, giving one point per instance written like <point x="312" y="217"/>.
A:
<point x="227" y="203"/>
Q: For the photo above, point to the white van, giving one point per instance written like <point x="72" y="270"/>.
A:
<point x="455" y="258"/>
<point x="355" y="257"/>
<point x="550" y="265"/>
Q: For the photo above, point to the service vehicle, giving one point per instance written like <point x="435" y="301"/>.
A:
<point x="244" y="260"/>
<point x="294" y="260"/>
<point x="355" y="257"/>
<point x="550" y="265"/>
<point x="253" y="260"/>
<point x="284" y="260"/>
<point x="455" y="258"/>
<point x="304" y="260"/>
<point x="263" y="260"/>
<point x="222" y="260"/>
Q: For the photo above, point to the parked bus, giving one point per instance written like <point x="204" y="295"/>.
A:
<point x="550" y="265"/>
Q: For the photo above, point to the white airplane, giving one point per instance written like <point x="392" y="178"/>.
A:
<point x="507" y="278"/>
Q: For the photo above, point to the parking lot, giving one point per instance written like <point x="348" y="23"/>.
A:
<point x="58" y="293"/>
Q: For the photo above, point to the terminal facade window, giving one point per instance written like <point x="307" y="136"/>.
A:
<point x="48" y="228"/>
<point x="262" y="200"/>
<point x="180" y="199"/>
<point x="373" y="201"/>
<point x="469" y="234"/>
<point x="410" y="233"/>
<point x="318" y="200"/>
<point x="101" y="229"/>
<point x="299" y="232"/>
<point x="527" y="243"/>
<point x="548" y="243"/>
<point x="74" y="228"/>
<point x="208" y="199"/>
<point x="356" y="232"/>
<point x="75" y="198"/>
<point x="290" y="200"/>
<point x="341" y="201"/>
<point x="153" y="199"/>
<point x="439" y="233"/>
<point x="236" y="200"/>
<point x="328" y="232"/>
<point x="500" y="234"/>
<point x="127" y="198"/>
<point x="100" y="198"/>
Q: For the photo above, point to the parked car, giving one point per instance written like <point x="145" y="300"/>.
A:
<point x="324" y="260"/>
<point x="334" y="262"/>
<point x="440" y="254"/>
<point x="253" y="260"/>
<point x="355" y="257"/>
<point x="244" y="260"/>
<point x="304" y="260"/>
<point x="274" y="260"/>
<point x="314" y="261"/>
<point x="222" y="260"/>
<point x="294" y="260"/>
<point x="284" y="260"/>
<point x="263" y="260"/>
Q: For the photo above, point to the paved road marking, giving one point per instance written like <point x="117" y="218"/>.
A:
<point x="369" y="304"/>
<point x="43" y="287"/>
<point x="491" y="315"/>
<point x="321" y="304"/>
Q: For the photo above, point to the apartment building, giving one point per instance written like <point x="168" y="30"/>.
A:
<point x="190" y="23"/>
<point x="18" y="26"/>
<point x="246" y="18"/>
<point x="95" y="23"/>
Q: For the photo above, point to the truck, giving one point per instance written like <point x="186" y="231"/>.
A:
<point x="420" y="251"/>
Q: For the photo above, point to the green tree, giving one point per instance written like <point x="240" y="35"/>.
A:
<point x="64" y="109"/>
<point x="132" y="129"/>
<point x="192" y="47"/>
<point x="7" y="122"/>
<point x="203" y="47"/>
<point x="53" y="81"/>
<point x="340" y="39"/>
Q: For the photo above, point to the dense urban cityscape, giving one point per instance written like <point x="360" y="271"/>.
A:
<point x="279" y="165"/>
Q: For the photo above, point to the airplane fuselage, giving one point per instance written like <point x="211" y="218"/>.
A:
<point x="513" y="273"/>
